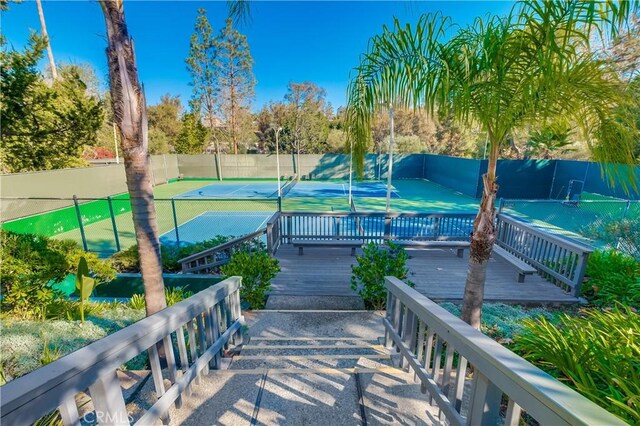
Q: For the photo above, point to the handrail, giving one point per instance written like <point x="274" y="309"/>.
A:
<point x="438" y="347"/>
<point x="557" y="258"/>
<point x="564" y="242"/>
<point x="209" y="320"/>
<point x="376" y="226"/>
<point x="224" y="246"/>
<point x="206" y="260"/>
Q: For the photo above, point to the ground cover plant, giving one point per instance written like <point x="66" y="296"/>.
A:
<point x="27" y="344"/>
<point x="375" y="263"/>
<point x="596" y="353"/>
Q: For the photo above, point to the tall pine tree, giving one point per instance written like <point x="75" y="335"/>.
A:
<point x="234" y="69"/>
<point x="201" y="64"/>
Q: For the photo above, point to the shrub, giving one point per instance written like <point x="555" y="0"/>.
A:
<point x="31" y="264"/>
<point x="128" y="260"/>
<point x="613" y="277"/>
<point x="623" y="234"/>
<point x="373" y="265"/>
<point x="596" y="353"/>
<point x="257" y="269"/>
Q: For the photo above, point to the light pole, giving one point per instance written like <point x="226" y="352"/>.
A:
<point x="390" y="165"/>
<point x="350" y="164"/>
<point x="277" y="132"/>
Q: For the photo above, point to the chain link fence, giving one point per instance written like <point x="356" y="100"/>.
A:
<point x="602" y="223"/>
<point x="105" y="225"/>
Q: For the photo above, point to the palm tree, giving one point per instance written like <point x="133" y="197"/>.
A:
<point x="502" y="73"/>
<point x="130" y="113"/>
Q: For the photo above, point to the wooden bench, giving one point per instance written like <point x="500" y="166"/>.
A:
<point x="458" y="245"/>
<point x="521" y="266"/>
<point x="353" y="244"/>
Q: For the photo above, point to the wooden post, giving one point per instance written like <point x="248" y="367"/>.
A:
<point x="485" y="401"/>
<point x="108" y="401"/>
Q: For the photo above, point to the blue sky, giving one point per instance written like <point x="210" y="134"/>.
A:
<point x="289" y="41"/>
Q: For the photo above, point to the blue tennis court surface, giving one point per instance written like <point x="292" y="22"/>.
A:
<point x="234" y="190"/>
<point x="340" y="189"/>
<point x="211" y="224"/>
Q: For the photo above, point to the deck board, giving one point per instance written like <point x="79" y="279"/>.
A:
<point x="437" y="273"/>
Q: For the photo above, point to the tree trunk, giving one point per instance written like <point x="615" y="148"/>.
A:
<point x="52" y="63"/>
<point x="482" y="239"/>
<point x="129" y="108"/>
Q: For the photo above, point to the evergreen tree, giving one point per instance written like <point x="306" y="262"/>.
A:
<point x="164" y="124"/>
<point x="201" y="64"/>
<point x="235" y="82"/>
<point x="192" y="137"/>
<point x="43" y="127"/>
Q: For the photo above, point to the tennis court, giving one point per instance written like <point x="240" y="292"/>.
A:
<point x="204" y="208"/>
<point x="208" y="225"/>
<point x="233" y="190"/>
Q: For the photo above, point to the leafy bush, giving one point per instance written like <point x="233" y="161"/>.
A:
<point x="31" y="264"/>
<point x="257" y="269"/>
<point x="373" y="265"/>
<point x="128" y="260"/>
<point x="613" y="277"/>
<point x="596" y="353"/>
<point x="623" y="234"/>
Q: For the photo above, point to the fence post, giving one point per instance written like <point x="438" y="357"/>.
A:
<point x="387" y="228"/>
<point x="166" y="172"/>
<point x="175" y="221"/>
<point x="626" y="209"/>
<point x="113" y="223"/>
<point x="79" y="216"/>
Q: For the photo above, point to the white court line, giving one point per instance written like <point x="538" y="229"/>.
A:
<point x="173" y="230"/>
<point x="242" y="187"/>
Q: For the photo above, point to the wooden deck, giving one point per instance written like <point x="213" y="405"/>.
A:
<point x="437" y="273"/>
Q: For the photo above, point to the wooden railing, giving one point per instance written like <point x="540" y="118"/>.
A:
<point x="373" y="226"/>
<point x="559" y="260"/>
<point x="202" y="327"/>
<point x="209" y="260"/>
<point x="469" y="376"/>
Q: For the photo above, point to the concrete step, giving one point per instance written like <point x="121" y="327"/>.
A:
<point x="308" y="361"/>
<point x="307" y="396"/>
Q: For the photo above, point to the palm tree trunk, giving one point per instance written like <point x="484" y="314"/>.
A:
<point x="130" y="112"/>
<point x="52" y="63"/>
<point x="482" y="239"/>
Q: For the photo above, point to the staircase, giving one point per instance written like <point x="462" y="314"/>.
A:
<point x="309" y="368"/>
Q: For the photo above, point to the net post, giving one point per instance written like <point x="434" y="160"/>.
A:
<point x="80" y="226"/>
<point x="113" y="224"/>
<point x="280" y="203"/>
<point x="500" y="205"/>
<point x="175" y="221"/>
